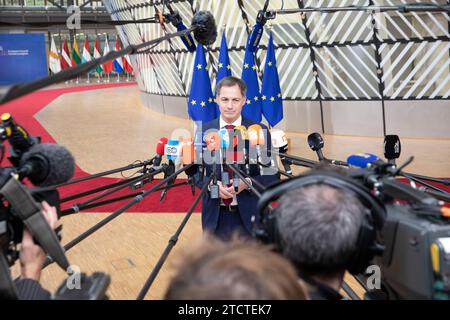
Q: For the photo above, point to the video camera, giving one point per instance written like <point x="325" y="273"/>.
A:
<point x="44" y="165"/>
<point x="415" y="263"/>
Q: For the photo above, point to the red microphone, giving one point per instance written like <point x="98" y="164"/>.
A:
<point x="212" y="140"/>
<point x="159" y="151"/>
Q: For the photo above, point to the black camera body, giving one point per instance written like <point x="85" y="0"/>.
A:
<point x="416" y="260"/>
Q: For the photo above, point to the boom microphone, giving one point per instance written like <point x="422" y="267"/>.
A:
<point x="175" y="18"/>
<point x="205" y="31"/>
<point x="316" y="143"/>
<point x="47" y="164"/>
<point x="392" y="147"/>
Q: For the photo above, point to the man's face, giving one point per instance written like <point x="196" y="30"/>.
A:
<point x="230" y="102"/>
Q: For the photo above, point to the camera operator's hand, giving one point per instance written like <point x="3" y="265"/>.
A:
<point x="32" y="256"/>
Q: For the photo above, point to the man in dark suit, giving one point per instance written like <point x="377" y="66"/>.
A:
<point x="234" y="209"/>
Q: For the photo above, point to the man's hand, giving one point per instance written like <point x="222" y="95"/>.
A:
<point x="242" y="186"/>
<point x="32" y="256"/>
<point x="226" y="192"/>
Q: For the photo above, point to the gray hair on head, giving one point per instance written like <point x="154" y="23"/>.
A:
<point x="318" y="227"/>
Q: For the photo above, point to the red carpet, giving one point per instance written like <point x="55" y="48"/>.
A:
<point x="23" y="110"/>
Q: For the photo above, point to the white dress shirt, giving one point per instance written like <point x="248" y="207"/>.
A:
<point x="222" y="124"/>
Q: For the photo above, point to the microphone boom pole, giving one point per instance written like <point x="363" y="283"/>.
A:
<point x="172" y="242"/>
<point x="116" y="213"/>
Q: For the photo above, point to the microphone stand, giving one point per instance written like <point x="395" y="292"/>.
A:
<point x="172" y="242"/>
<point x="413" y="178"/>
<point x="76" y="209"/>
<point x="123" y="186"/>
<point x="116" y="213"/>
<point x="297" y="160"/>
<point x="89" y="192"/>
<point x="418" y="176"/>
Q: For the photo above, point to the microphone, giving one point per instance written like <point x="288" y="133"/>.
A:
<point x="242" y="140"/>
<point x="392" y="148"/>
<point x="258" y="28"/>
<point x="224" y="145"/>
<point x="255" y="35"/>
<point x="47" y="164"/>
<point x="173" y="152"/>
<point x="280" y="142"/>
<point x="316" y="143"/>
<point x="188" y="154"/>
<point x="175" y="18"/>
<point x="18" y="138"/>
<point x="205" y="31"/>
<point x="213" y="144"/>
<point x="160" y="151"/>
<point x="362" y="160"/>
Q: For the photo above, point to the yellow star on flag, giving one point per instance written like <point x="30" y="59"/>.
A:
<point x="279" y="95"/>
<point x="203" y="103"/>
<point x="263" y="97"/>
<point x="272" y="99"/>
<point x="207" y="68"/>
<point x="193" y="102"/>
<point x="220" y="65"/>
<point x="256" y="98"/>
<point x="210" y="100"/>
<point x="269" y="63"/>
<point x="254" y="67"/>
<point x="228" y="67"/>
<point x="246" y="66"/>
<point x="248" y="101"/>
<point x="199" y="66"/>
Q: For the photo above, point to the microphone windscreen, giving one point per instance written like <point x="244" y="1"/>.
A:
<point x="315" y="141"/>
<point x="160" y="146"/>
<point x="187" y="150"/>
<point x="59" y="164"/>
<point x="172" y="149"/>
<point x="224" y="138"/>
<point x="212" y="140"/>
<point x="243" y="131"/>
<point x="392" y="147"/>
<point x="205" y="28"/>
<point x="278" y="138"/>
<point x="255" y="37"/>
<point x="361" y="160"/>
<point x="255" y="135"/>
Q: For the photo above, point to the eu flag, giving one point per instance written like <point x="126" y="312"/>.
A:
<point x="224" y="66"/>
<point x="272" y="103"/>
<point x="201" y="104"/>
<point x="252" y="107"/>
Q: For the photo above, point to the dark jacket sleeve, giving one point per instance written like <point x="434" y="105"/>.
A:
<point x="29" y="289"/>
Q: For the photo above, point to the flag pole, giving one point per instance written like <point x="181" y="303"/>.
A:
<point x="118" y="77"/>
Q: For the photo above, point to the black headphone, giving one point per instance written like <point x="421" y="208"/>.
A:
<point x="266" y="229"/>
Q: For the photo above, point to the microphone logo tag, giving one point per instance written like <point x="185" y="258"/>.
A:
<point x="397" y="147"/>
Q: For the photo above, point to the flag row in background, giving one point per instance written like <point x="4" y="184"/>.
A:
<point x="202" y="105"/>
<point x="66" y="58"/>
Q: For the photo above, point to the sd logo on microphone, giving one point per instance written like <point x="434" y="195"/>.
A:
<point x="172" y="149"/>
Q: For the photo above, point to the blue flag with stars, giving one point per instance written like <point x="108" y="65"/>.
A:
<point x="224" y="66"/>
<point x="252" y="107"/>
<point x="272" y="102"/>
<point x="201" y="104"/>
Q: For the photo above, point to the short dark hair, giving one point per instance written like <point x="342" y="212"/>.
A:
<point x="235" y="270"/>
<point x="230" y="82"/>
<point x="318" y="226"/>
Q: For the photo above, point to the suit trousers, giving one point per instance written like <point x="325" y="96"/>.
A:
<point x="230" y="222"/>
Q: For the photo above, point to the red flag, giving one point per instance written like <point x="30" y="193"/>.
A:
<point x="107" y="66"/>
<point x="127" y="64"/>
<point x="65" y="56"/>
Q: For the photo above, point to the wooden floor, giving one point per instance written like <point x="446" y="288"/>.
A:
<point x="109" y="128"/>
